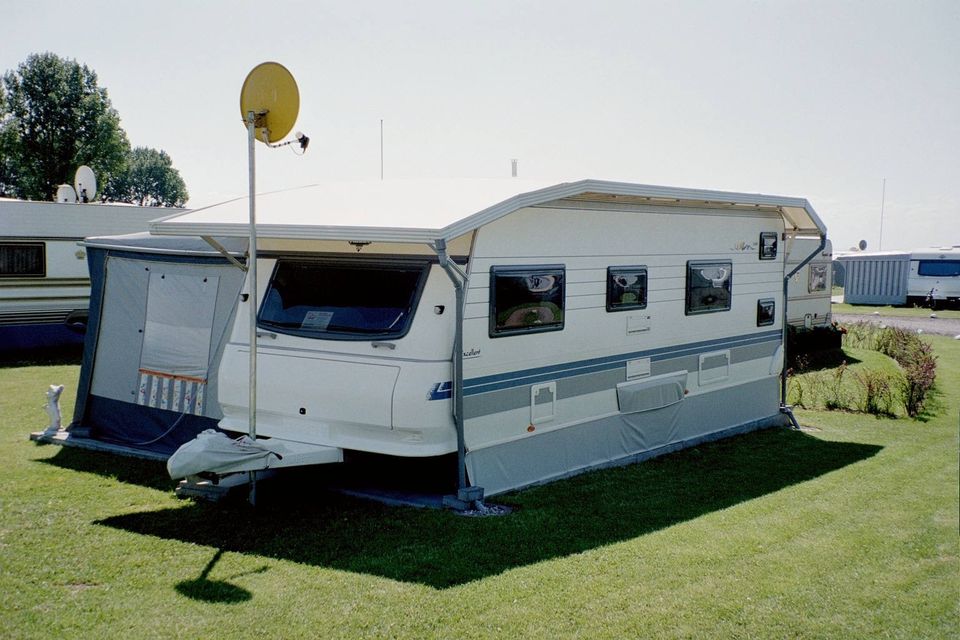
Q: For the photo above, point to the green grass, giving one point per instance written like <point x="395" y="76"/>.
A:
<point x="893" y="312"/>
<point x="848" y="530"/>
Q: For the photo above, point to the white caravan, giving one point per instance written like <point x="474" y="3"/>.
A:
<point x="537" y="330"/>
<point x="808" y="295"/>
<point x="44" y="282"/>
<point x="934" y="276"/>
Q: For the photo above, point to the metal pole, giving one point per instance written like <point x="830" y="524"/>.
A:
<point x="883" y="199"/>
<point x="252" y="299"/>
<point x="381" y="148"/>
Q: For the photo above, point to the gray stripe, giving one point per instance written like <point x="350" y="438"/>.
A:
<point x="483" y="404"/>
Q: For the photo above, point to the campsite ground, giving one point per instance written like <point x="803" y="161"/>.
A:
<point x="846" y="529"/>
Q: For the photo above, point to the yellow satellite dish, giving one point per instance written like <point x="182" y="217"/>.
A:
<point x="271" y="93"/>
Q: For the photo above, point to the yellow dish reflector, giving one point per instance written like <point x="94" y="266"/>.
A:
<point x="270" y="90"/>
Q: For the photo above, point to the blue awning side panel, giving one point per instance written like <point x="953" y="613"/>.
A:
<point x="134" y="425"/>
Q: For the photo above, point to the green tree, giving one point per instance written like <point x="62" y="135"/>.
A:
<point x="55" y="119"/>
<point x="148" y="179"/>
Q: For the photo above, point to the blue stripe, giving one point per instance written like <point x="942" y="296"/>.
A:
<point x="485" y="384"/>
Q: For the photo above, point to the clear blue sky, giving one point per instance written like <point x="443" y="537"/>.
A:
<point x="820" y="99"/>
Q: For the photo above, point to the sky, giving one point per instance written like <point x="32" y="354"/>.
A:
<point x="852" y="105"/>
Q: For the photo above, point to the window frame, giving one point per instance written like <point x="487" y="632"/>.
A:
<point x="43" y="259"/>
<point x="773" y="312"/>
<point x="612" y="271"/>
<point x="525" y="270"/>
<point x="371" y="264"/>
<point x="693" y="264"/>
<point x="765" y="235"/>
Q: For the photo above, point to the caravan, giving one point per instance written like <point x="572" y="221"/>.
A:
<point x="535" y="330"/>
<point x="44" y="283"/>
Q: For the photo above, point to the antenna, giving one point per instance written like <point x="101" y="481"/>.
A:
<point x="513" y="167"/>
<point x="883" y="199"/>
<point x="85" y="183"/>
<point x="269" y="104"/>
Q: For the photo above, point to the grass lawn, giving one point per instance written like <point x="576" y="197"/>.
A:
<point x="894" y="312"/>
<point x="846" y="530"/>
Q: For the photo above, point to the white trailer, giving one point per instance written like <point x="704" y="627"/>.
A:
<point x="536" y="330"/>
<point x="44" y="282"/>
<point x="934" y="278"/>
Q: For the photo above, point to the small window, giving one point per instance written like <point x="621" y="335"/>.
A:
<point x="526" y="299"/>
<point x="818" y="278"/>
<point x="626" y="288"/>
<point x="766" y="312"/>
<point x="23" y="260"/>
<point x="939" y="268"/>
<point x="709" y="286"/>
<point x="340" y="300"/>
<point x="768" y="245"/>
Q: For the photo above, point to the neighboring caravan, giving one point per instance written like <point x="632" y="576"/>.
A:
<point x="810" y="287"/>
<point x="44" y="283"/>
<point x="925" y="277"/>
<point x="160" y="312"/>
<point x="934" y="277"/>
<point x="535" y="329"/>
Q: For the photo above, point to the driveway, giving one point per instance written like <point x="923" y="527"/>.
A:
<point x="939" y="326"/>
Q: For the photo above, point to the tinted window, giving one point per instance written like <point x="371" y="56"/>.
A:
<point x="766" y="312"/>
<point x="341" y="301"/>
<point x="768" y="245"/>
<point x="940" y="268"/>
<point x="526" y="299"/>
<point x="21" y="259"/>
<point x="709" y="286"/>
<point x="626" y="288"/>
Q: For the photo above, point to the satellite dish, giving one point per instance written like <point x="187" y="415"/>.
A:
<point x="271" y="93"/>
<point x="862" y="245"/>
<point x="65" y="193"/>
<point x="85" y="183"/>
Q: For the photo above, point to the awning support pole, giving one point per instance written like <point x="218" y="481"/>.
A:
<point x="226" y="254"/>
<point x="252" y="292"/>
<point x="467" y="496"/>
<point x="784" y="407"/>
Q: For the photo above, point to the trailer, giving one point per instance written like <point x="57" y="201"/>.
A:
<point x="922" y="277"/>
<point x="535" y="330"/>
<point x="44" y="282"/>
<point x="934" y="278"/>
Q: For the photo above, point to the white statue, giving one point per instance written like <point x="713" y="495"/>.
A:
<point x="53" y="409"/>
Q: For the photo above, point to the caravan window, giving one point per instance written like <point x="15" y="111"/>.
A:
<point x="817" y="278"/>
<point x="626" y="288"/>
<point x="23" y="260"/>
<point x="709" y="286"/>
<point x="339" y="300"/>
<point x="526" y="299"/>
<point x="768" y="245"/>
<point x="939" y="268"/>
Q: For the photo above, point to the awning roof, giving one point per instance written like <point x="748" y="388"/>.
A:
<point x="416" y="211"/>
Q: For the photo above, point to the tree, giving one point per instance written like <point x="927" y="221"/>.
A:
<point x="148" y="179"/>
<point x="56" y="119"/>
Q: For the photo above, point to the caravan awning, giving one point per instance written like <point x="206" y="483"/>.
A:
<point x="418" y="211"/>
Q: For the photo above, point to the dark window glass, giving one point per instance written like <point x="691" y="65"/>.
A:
<point x="709" y="286"/>
<point x="526" y="299"/>
<point x="766" y="310"/>
<point x="23" y="259"/>
<point x="817" y="278"/>
<point x="939" y="268"/>
<point x="341" y="301"/>
<point x="768" y="245"/>
<point x="626" y="288"/>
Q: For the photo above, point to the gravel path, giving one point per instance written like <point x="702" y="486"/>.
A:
<point x="940" y="326"/>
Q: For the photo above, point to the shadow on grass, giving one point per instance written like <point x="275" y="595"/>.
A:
<point x="301" y="523"/>
<point x="42" y="356"/>
<point x="217" y="591"/>
<point x="146" y="473"/>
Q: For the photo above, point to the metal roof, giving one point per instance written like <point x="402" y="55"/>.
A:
<point x="417" y="211"/>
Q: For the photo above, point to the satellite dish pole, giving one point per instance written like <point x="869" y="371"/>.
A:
<point x="883" y="199"/>
<point x="269" y="103"/>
